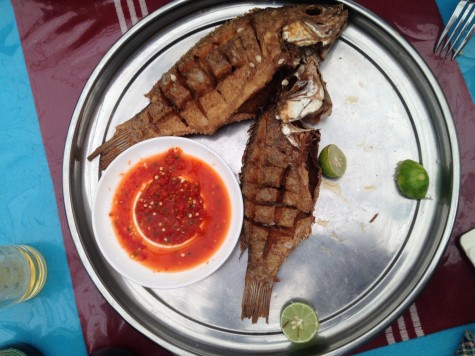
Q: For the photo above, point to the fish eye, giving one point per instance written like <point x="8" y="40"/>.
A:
<point x="313" y="11"/>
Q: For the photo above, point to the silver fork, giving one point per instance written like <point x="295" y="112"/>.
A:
<point x="457" y="26"/>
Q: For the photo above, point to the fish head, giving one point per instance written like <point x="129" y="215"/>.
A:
<point x="316" y="25"/>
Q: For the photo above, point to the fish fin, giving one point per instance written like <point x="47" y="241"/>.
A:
<point x="256" y="300"/>
<point x="244" y="238"/>
<point x="112" y="148"/>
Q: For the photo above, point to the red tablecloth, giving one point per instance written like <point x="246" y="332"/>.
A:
<point x="64" y="40"/>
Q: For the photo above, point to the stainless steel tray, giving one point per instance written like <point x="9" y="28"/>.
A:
<point x="359" y="273"/>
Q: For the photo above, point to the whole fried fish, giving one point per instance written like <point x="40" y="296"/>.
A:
<point x="228" y="75"/>
<point x="280" y="181"/>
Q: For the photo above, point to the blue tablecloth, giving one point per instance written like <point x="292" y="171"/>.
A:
<point x="28" y="210"/>
<point x="444" y="343"/>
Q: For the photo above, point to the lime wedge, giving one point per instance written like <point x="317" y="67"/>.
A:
<point x="299" y="322"/>
<point x="412" y="179"/>
<point x="332" y="161"/>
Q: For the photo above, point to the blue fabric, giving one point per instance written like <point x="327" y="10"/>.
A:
<point x="443" y="343"/>
<point x="466" y="58"/>
<point x="28" y="210"/>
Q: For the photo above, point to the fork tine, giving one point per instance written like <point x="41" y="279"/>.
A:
<point x="452" y="19"/>
<point x="462" y="20"/>
<point x="464" y="42"/>
<point x="462" y="31"/>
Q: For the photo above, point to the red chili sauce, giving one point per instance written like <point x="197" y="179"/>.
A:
<point x="178" y="202"/>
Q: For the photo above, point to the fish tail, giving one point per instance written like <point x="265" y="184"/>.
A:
<point x="256" y="300"/>
<point x="113" y="147"/>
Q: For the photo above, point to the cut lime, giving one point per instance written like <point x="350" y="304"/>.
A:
<point x="299" y="322"/>
<point x="332" y="161"/>
<point x="412" y="179"/>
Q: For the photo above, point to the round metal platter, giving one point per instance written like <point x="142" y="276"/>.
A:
<point x="371" y="251"/>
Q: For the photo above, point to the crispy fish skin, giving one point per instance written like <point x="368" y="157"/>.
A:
<point x="280" y="184"/>
<point x="280" y="181"/>
<point x="215" y="82"/>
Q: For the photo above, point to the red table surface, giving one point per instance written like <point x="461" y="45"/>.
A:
<point x="64" y="40"/>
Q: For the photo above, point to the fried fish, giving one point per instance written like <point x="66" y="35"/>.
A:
<point x="230" y="74"/>
<point x="280" y="181"/>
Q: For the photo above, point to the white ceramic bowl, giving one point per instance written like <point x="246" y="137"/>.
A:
<point x="104" y="233"/>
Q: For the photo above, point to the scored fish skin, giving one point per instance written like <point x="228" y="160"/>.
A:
<point x="217" y="80"/>
<point x="280" y="181"/>
<point x="280" y="184"/>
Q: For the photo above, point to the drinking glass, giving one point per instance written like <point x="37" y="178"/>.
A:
<point x="22" y="273"/>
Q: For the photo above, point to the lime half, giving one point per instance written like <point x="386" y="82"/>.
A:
<point x="332" y="161"/>
<point x="299" y="322"/>
<point x="412" y="179"/>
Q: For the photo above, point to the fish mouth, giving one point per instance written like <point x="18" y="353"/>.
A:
<point x="304" y="33"/>
<point x="316" y="27"/>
